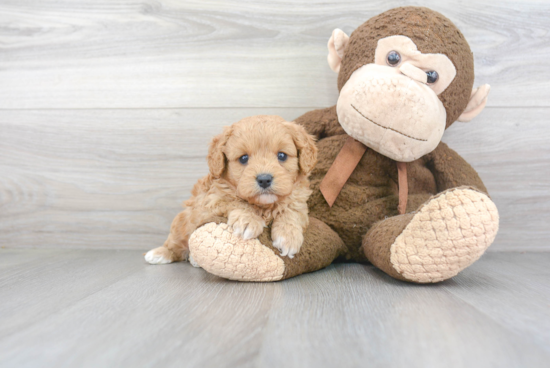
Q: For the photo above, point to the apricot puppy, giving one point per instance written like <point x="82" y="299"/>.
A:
<point x="258" y="175"/>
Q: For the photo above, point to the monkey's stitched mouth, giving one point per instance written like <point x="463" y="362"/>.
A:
<point x="393" y="130"/>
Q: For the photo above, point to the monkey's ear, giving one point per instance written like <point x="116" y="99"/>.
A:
<point x="336" y="47"/>
<point x="478" y="100"/>
<point x="216" y="157"/>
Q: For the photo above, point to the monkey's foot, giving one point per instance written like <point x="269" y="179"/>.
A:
<point x="219" y="251"/>
<point x="447" y="234"/>
<point x="215" y="248"/>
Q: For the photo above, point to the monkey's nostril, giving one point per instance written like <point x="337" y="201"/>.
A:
<point x="264" y="180"/>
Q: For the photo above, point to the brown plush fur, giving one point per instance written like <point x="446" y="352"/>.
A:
<point x="231" y="190"/>
<point x="432" y="33"/>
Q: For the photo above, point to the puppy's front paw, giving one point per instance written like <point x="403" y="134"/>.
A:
<point x="288" y="241"/>
<point x="247" y="225"/>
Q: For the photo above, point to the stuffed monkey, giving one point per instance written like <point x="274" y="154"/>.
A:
<point x="385" y="188"/>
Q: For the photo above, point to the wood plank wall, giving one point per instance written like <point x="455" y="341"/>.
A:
<point x="106" y="107"/>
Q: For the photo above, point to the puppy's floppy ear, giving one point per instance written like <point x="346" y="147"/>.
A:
<point x="307" y="150"/>
<point x="216" y="157"/>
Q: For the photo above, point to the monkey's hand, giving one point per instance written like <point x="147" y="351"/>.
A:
<point x="245" y="223"/>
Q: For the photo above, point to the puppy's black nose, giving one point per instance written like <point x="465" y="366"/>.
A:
<point x="264" y="180"/>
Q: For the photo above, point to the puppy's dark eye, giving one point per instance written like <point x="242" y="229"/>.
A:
<point x="432" y="76"/>
<point x="282" y="156"/>
<point x="243" y="159"/>
<point x="393" y="58"/>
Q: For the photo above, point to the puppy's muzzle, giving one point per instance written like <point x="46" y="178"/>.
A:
<point x="264" y="180"/>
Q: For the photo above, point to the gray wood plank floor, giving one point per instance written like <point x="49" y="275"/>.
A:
<point x="107" y="308"/>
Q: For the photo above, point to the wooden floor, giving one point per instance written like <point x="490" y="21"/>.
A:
<point x="107" y="308"/>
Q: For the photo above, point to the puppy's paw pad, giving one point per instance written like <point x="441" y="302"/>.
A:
<point x="252" y="231"/>
<point x="286" y="247"/>
<point x="246" y="227"/>
<point x="154" y="257"/>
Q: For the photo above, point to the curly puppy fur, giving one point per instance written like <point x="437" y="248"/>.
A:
<point x="231" y="188"/>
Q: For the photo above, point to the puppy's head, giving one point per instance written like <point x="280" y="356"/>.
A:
<point x="262" y="157"/>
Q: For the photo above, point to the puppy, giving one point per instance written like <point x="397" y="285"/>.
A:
<point x="258" y="175"/>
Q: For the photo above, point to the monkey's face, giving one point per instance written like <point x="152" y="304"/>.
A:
<point x="392" y="105"/>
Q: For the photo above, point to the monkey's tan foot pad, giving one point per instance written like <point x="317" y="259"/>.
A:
<point x="215" y="248"/>
<point x="447" y="234"/>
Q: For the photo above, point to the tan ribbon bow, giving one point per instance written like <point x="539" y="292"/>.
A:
<point x="347" y="160"/>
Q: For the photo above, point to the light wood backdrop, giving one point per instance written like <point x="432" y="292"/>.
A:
<point x="106" y="107"/>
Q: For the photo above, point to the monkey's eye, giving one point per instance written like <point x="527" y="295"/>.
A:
<point x="243" y="159"/>
<point x="282" y="156"/>
<point x="393" y="58"/>
<point x="432" y="76"/>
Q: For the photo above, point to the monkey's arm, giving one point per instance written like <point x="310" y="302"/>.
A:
<point x="451" y="171"/>
<point x="321" y="123"/>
